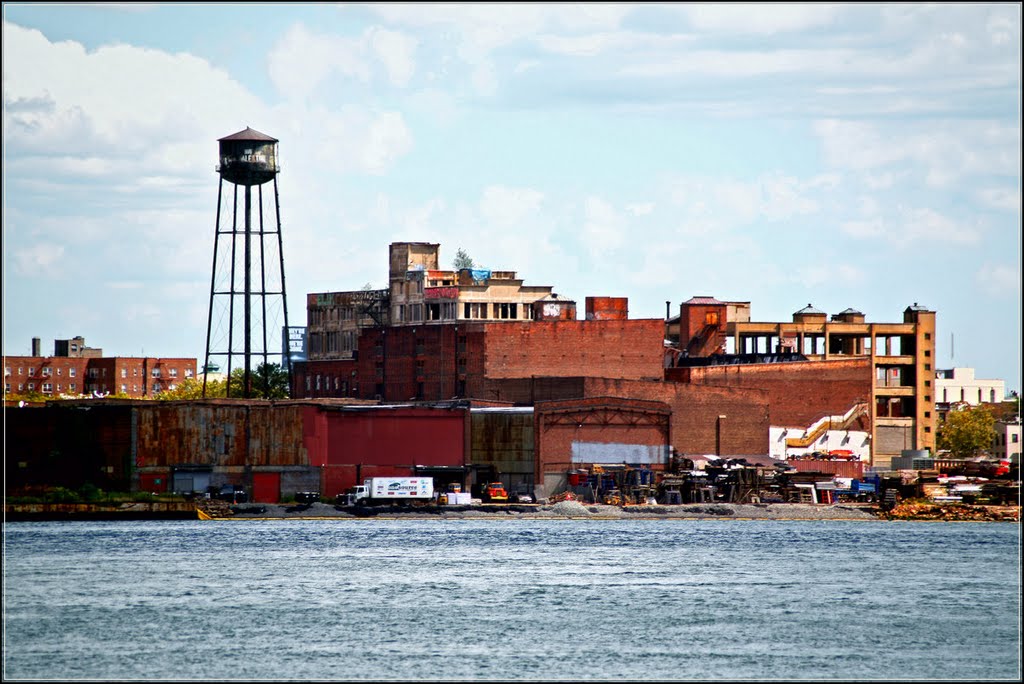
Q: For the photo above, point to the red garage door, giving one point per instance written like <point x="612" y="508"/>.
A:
<point x="266" y="487"/>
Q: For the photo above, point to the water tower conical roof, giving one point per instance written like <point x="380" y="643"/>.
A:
<point x="249" y="134"/>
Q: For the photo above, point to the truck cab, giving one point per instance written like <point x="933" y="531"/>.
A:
<point x="495" y="492"/>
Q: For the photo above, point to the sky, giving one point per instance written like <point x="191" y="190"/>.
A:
<point x="838" y="155"/>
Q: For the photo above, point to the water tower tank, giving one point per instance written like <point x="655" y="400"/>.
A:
<point x="248" y="158"/>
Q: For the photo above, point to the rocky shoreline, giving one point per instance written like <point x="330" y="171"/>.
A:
<point x="577" y="510"/>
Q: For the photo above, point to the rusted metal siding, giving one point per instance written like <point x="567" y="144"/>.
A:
<point x="220" y="434"/>
<point x="503" y="439"/>
<point x="852" y="469"/>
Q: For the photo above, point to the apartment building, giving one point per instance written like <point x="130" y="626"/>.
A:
<point x="75" y="370"/>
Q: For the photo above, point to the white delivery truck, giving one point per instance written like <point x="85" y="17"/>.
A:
<point x="381" y="490"/>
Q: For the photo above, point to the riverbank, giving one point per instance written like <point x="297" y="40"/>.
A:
<point x="578" y="510"/>
<point x="217" y="510"/>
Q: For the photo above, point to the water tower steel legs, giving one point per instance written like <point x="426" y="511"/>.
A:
<point x="247" y="292"/>
<point x="286" y="350"/>
<point x="213" y="278"/>
<point x="247" y="378"/>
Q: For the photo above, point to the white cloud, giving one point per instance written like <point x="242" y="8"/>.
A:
<point x="506" y="207"/>
<point x="906" y="226"/>
<point x="302" y="60"/>
<point x="943" y="152"/>
<point x="640" y="209"/>
<point x="1004" y="199"/>
<point x="603" y="227"/>
<point x="397" y="52"/>
<point x="999" y="280"/>
<point x="720" y="204"/>
<point x="759" y="19"/>
<point x="39" y="261"/>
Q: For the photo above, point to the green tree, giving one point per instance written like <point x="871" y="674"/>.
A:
<point x="462" y="260"/>
<point x="269" y="381"/>
<point x="967" y="431"/>
<point x="192" y="388"/>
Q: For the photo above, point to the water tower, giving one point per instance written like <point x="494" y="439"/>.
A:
<point x="248" y="279"/>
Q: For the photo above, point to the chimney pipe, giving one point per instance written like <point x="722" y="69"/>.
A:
<point x="668" y="310"/>
<point x="37" y="346"/>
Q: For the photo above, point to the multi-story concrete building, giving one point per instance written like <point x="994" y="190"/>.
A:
<point x="954" y="385"/>
<point x="898" y="396"/>
<point x="77" y="371"/>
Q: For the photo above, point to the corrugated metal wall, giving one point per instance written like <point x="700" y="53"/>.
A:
<point x="219" y="434"/>
<point x="504" y="439"/>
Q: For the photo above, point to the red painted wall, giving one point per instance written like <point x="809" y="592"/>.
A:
<point x="364" y="443"/>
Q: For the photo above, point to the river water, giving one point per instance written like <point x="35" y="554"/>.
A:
<point x="542" y="600"/>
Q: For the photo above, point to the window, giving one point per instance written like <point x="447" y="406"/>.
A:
<point x="927" y="353"/>
<point x="124" y="389"/>
<point x="31" y="387"/>
<point x="124" y="372"/>
<point x="47" y="388"/>
<point x="31" y="372"/>
<point x="60" y="371"/>
<point x="156" y="386"/>
<point x="135" y="372"/>
<point x="1015" y="438"/>
<point x="927" y="429"/>
<point x="927" y="414"/>
<point x="174" y="372"/>
<point x="927" y="383"/>
<point x="71" y="387"/>
<point x="21" y="387"/>
<point x="7" y="387"/>
<point x="188" y="372"/>
<point x="47" y="371"/>
<point x="156" y="372"/>
<point x="927" y="366"/>
<point x="72" y="372"/>
<point x="135" y="388"/>
<point x="927" y="336"/>
<point x="58" y="387"/>
<point x="7" y="371"/>
<point x="21" y="371"/>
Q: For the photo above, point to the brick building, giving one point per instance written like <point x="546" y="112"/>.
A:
<point x="439" y="362"/>
<point x="80" y="371"/>
<point x="420" y="293"/>
<point x="898" y="391"/>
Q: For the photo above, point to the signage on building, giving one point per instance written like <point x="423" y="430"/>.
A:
<point x="294" y="343"/>
<point x="440" y="293"/>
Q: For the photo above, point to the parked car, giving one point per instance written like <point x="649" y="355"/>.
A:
<point x="523" y="494"/>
